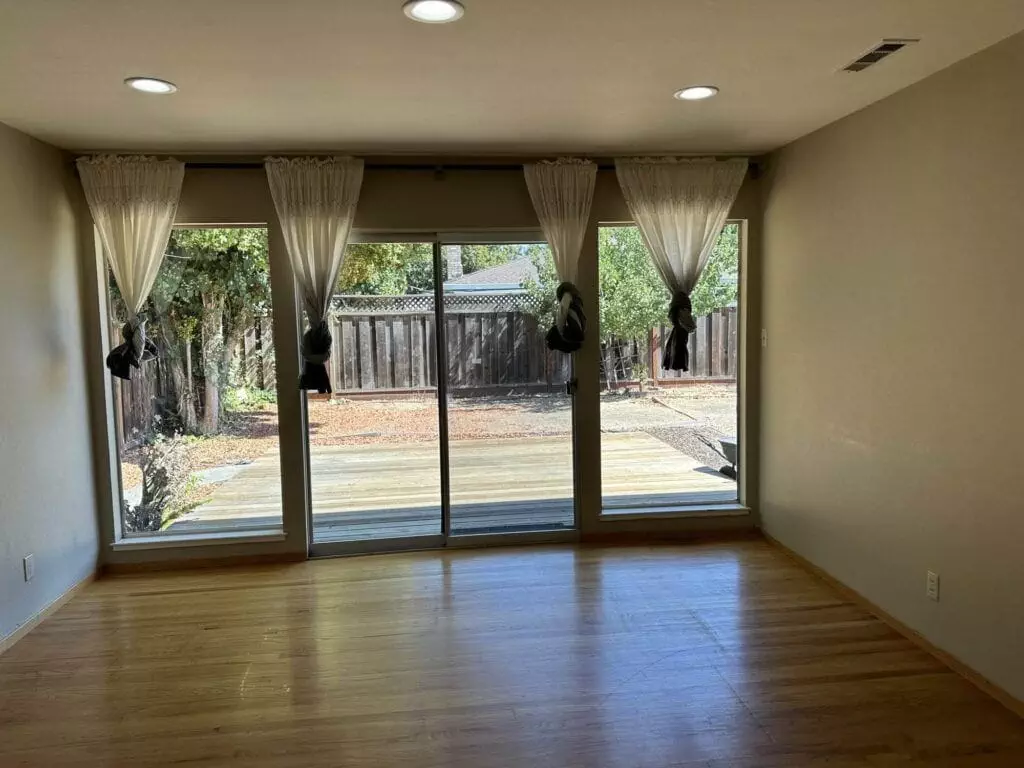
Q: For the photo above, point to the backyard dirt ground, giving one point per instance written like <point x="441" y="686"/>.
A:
<point x="679" y="416"/>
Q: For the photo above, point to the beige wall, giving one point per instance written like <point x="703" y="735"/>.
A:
<point x="892" y="426"/>
<point x="411" y="201"/>
<point x="47" y="503"/>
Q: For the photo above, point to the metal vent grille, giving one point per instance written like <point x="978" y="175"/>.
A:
<point x="886" y="48"/>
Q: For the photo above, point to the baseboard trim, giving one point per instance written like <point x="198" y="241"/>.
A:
<point x="6" y="643"/>
<point x="976" y="679"/>
<point x="200" y="563"/>
<point x="629" y="538"/>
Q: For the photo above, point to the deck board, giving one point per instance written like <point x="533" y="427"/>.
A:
<point x="524" y="483"/>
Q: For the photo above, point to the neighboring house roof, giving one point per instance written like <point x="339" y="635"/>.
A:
<point x="509" y="276"/>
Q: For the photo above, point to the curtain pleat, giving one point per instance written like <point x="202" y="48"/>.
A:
<point x="315" y="199"/>
<point x="133" y="201"/>
<point x="562" y="192"/>
<point x="680" y="206"/>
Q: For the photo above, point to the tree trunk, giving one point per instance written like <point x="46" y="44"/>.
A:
<point x="233" y="339"/>
<point x="212" y="348"/>
<point x="180" y="375"/>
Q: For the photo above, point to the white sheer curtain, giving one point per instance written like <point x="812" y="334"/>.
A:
<point x="133" y="200"/>
<point x="680" y="206"/>
<point x="562" y="192"/>
<point x="316" y="199"/>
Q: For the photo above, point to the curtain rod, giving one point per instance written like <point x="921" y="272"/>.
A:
<point x="456" y="166"/>
<point x="755" y="166"/>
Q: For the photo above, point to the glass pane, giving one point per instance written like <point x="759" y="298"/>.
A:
<point x="668" y="438"/>
<point x="197" y="426"/>
<point x="375" y="466"/>
<point x="510" y="420"/>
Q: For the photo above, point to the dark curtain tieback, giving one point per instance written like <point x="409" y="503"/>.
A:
<point x="570" y="338"/>
<point x="680" y="314"/>
<point x="316" y="351"/>
<point x="132" y="352"/>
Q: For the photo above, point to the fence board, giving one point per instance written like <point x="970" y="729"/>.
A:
<point x="717" y="344"/>
<point x="455" y="331"/>
<point x="382" y="352"/>
<point x="347" y="353"/>
<point x="335" y="369"/>
<point x="733" y="342"/>
<point x="402" y="351"/>
<point x="367" y="377"/>
<point x="487" y="349"/>
<point x="431" y="340"/>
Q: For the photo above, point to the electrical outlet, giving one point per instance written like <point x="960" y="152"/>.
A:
<point x="764" y="337"/>
<point x="932" y="588"/>
<point x="29" y="563"/>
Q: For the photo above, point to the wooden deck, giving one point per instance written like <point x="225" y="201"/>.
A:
<point x="497" y="485"/>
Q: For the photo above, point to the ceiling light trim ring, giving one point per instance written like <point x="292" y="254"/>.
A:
<point x="696" y="92"/>
<point x="414" y="9"/>
<point x="147" y="84"/>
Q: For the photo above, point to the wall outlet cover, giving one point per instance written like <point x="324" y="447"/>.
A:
<point x="932" y="587"/>
<point x="29" y="564"/>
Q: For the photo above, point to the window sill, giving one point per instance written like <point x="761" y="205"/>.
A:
<point x="678" y="511"/>
<point x="256" y="536"/>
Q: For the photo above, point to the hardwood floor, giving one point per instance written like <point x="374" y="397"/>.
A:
<point x="719" y="656"/>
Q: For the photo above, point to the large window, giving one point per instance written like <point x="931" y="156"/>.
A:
<point x="668" y="438"/>
<point x="197" y="426"/>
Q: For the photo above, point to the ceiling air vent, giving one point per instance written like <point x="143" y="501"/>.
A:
<point x="887" y="47"/>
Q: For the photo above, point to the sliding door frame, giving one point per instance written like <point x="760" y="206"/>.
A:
<point x="446" y="539"/>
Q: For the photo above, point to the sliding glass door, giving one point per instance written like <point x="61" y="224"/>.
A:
<point x="450" y="416"/>
<point x="374" y="446"/>
<point x="509" y="411"/>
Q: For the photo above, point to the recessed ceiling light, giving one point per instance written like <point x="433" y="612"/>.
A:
<point x="150" y="85"/>
<point x="696" y="93"/>
<point x="434" y="11"/>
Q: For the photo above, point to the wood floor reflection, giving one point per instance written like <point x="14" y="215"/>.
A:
<point x="720" y="656"/>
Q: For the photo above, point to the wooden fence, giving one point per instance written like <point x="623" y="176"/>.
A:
<point x="394" y="352"/>
<point x="714" y="353"/>
<point x="486" y="350"/>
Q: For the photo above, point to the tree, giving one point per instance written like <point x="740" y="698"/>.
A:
<point x="633" y="298"/>
<point x="398" y="269"/>
<point x="718" y="286"/>
<point x="211" y="286"/>
<point x="387" y="269"/>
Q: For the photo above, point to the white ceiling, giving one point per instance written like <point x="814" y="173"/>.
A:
<point x="513" y="76"/>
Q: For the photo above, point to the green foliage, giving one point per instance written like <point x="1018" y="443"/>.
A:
<point x="387" y="269"/>
<point x="245" y="399"/>
<point x="398" y="269"/>
<point x="633" y="298"/>
<point x="224" y="263"/>
<point x="718" y="286"/>
<point x="166" y="485"/>
<point x="484" y="256"/>
<point x="211" y="285"/>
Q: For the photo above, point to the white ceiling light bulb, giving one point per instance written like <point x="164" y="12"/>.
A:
<point x="150" y="85"/>
<point x="696" y="93"/>
<point x="434" y="11"/>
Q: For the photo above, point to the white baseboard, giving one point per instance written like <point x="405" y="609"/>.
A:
<point x="6" y="643"/>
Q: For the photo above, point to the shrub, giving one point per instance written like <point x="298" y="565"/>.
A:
<point x="166" y="482"/>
